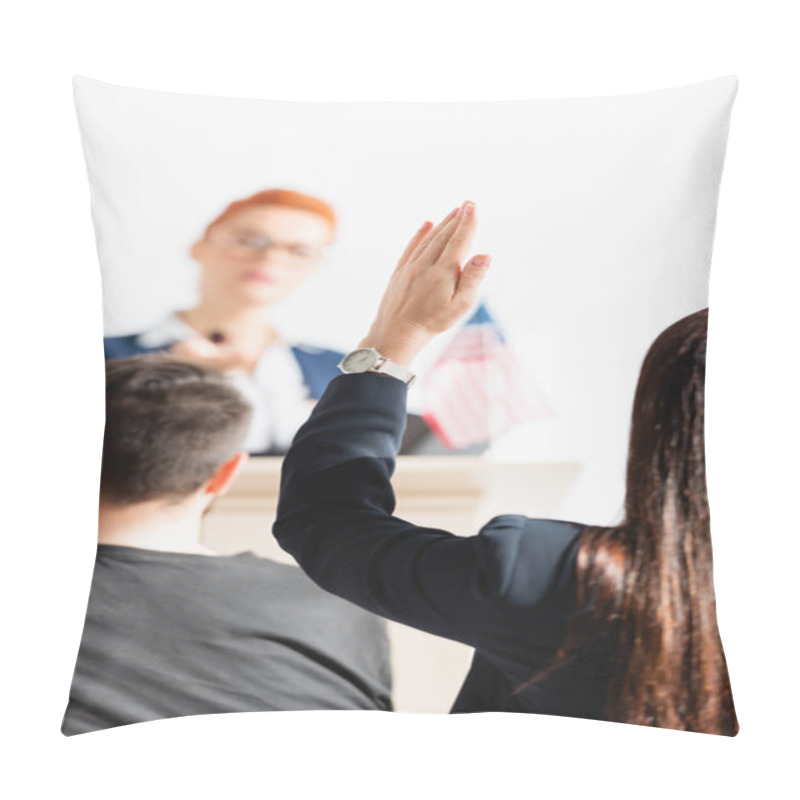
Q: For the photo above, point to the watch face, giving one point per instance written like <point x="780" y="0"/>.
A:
<point x="360" y="360"/>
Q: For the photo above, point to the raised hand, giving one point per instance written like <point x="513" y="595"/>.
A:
<point x="432" y="287"/>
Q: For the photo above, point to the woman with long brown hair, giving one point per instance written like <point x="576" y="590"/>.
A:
<point x="615" y="623"/>
<point x="646" y="587"/>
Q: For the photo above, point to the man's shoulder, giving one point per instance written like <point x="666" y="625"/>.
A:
<point x="242" y="578"/>
<point x="245" y="560"/>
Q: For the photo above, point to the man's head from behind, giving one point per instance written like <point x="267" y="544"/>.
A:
<point x="173" y="429"/>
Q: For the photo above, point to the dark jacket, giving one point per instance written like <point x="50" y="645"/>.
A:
<point x="507" y="591"/>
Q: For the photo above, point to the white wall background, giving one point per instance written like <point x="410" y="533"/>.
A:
<point x="599" y="215"/>
<point x="52" y="418"/>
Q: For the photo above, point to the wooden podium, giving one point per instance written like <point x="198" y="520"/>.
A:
<point x="454" y="493"/>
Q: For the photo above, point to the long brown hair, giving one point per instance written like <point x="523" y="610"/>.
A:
<point x="645" y="590"/>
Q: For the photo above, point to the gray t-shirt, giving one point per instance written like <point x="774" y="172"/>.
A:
<point x="176" y="634"/>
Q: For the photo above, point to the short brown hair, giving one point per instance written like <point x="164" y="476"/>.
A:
<point x="285" y="198"/>
<point x="170" y="425"/>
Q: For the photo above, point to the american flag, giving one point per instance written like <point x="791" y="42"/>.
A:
<point x="476" y="390"/>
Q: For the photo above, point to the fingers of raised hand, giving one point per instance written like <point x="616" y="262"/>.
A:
<point x="435" y="231"/>
<point x="431" y="247"/>
<point x="454" y="250"/>
<point x="422" y="238"/>
<point x="470" y="279"/>
<point x="416" y="239"/>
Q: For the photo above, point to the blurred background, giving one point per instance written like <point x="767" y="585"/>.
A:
<point x="598" y="242"/>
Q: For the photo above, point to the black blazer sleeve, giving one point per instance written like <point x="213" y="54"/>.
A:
<point x="335" y="517"/>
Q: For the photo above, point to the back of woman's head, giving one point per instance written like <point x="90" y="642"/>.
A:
<point x="645" y="590"/>
<point x="666" y="476"/>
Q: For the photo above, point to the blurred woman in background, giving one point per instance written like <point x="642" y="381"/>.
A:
<point x="255" y="254"/>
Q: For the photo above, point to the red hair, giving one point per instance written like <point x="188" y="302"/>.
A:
<point x="285" y="198"/>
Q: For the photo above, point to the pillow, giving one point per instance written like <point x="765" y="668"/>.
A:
<point x="599" y="215"/>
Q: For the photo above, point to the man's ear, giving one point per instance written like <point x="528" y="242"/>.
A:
<point x="221" y="480"/>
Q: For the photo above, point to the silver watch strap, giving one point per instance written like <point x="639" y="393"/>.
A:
<point x="395" y="370"/>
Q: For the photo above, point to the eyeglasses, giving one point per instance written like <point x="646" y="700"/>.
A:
<point x="252" y="246"/>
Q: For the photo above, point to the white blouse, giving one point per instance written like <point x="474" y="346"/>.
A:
<point x="276" y="389"/>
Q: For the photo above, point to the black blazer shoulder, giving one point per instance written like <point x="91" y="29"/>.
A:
<point x="335" y="516"/>
<point x="529" y="560"/>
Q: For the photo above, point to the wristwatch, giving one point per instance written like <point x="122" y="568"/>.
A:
<point x="368" y="359"/>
